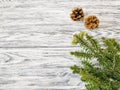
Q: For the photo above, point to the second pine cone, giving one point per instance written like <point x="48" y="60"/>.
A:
<point x="91" y="22"/>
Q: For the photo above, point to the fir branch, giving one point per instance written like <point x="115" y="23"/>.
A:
<point x="82" y="55"/>
<point x="82" y="41"/>
<point x="106" y="74"/>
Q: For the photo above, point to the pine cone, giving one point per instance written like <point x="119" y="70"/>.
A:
<point x="77" y="14"/>
<point x="91" y="22"/>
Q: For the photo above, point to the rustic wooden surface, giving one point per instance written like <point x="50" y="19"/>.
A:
<point x="35" y="41"/>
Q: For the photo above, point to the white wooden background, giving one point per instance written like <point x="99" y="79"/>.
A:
<point x="35" y="41"/>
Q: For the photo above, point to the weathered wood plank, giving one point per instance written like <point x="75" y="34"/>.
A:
<point x="30" y="23"/>
<point x="37" y="68"/>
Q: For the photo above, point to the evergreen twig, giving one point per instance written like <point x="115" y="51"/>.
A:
<point x="105" y="75"/>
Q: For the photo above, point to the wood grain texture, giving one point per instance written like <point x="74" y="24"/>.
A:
<point x="35" y="41"/>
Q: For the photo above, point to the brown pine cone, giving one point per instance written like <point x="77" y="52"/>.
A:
<point x="77" y="14"/>
<point x="91" y="22"/>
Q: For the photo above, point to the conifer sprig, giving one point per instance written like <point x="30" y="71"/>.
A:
<point x="103" y="75"/>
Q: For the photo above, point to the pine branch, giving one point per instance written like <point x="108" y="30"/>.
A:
<point x="81" y="40"/>
<point x="106" y="74"/>
<point x="82" y="55"/>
